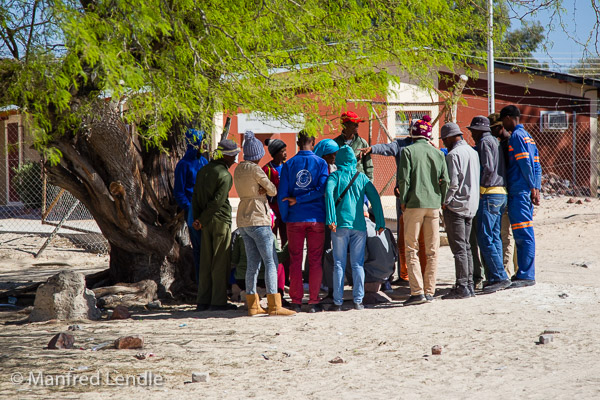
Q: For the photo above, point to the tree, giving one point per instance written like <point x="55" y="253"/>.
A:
<point x="84" y="71"/>
<point x="518" y="45"/>
<point x="588" y="67"/>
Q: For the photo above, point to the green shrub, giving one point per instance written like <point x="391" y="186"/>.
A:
<point x="27" y="182"/>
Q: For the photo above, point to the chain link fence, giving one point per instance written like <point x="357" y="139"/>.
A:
<point x="43" y="214"/>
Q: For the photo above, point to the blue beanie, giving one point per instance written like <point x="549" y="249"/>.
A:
<point x="326" y="146"/>
<point x="194" y="136"/>
<point x="253" y="148"/>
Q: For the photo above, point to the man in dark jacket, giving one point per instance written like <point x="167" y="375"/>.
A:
<point x="212" y="214"/>
<point x="185" y="178"/>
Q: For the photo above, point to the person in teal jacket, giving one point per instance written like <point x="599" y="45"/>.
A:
<point x="345" y="218"/>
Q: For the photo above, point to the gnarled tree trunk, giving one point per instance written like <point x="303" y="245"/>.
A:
<point x="127" y="187"/>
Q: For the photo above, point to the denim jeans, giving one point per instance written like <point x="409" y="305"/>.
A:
<point x="489" y="223"/>
<point x="341" y="240"/>
<point x="260" y="245"/>
<point x="458" y="229"/>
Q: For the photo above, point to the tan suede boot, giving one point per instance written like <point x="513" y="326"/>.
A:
<point x="275" y="308"/>
<point x="253" y="303"/>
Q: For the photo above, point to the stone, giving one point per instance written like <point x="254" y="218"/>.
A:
<point x="200" y="377"/>
<point x="550" y="331"/>
<point x="61" y="341"/>
<point x="74" y="328"/>
<point x="120" y="312"/>
<point x="64" y="297"/>
<point x="546" y="338"/>
<point x="375" y="298"/>
<point x="571" y="201"/>
<point x="579" y="201"/>
<point x="129" y="342"/>
<point x="588" y="200"/>
<point x="436" y="350"/>
<point x="372" y="287"/>
<point x="337" y="360"/>
<point x="154" y="305"/>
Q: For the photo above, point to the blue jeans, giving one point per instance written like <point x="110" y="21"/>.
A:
<point x="489" y="223"/>
<point x="260" y="245"/>
<point x="340" y="241"/>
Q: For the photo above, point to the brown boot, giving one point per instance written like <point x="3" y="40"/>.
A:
<point x="253" y="303"/>
<point x="275" y="308"/>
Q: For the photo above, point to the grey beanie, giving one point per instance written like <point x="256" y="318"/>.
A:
<point x="275" y="146"/>
<point x="450" y="129"/>
<point x="228" y="147"/>
<point x="253" y="148"/>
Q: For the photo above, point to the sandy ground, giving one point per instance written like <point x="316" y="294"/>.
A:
<point x="489" y="342"/>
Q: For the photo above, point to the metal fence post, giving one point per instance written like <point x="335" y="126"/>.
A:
<point x="574" y="150"/>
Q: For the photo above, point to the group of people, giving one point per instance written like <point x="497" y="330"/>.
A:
<point x="324" y="195"/>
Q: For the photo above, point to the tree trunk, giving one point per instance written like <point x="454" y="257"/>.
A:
<point x="127" y="187"/>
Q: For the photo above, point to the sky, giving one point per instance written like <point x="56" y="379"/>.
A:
<point x="566" y="35"/>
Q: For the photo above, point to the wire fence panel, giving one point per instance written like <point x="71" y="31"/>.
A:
<point x="28" y="206"/>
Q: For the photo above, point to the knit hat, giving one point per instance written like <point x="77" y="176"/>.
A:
<point x="450" y="129"/>
<point x="480" y="123"/>
<point x="228" y="148"/>
<point x="325" y="147"/>
<point x="351" y="116"/>
<point x="494" y="120"/>
<point x="421" y="128"/>
<point x="253" y="148"/>
<point x="275" y="146"/>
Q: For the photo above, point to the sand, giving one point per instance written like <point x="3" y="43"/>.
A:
<point x="489" y="348"/>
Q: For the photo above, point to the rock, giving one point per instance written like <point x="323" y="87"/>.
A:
<point x="579" y="201"/>
<point x="64" y="297"/>
<point x="337" y="360"/>
<point x="563" y="295"/>
<point x="372" y="287"/>
<point x="588" y="200"/>
<point x="545" y="339"/>
<point x="120" y="312"/>
<point x="74" y="328"/>
<point x="571" y="201"/>
<point x="61" y="341"/>
<point x="374" y="298"/>
<point x="550" y="331"/>
<point x="129" y="342"/>
<point x="154" y="305"/>
<point x="436" y="350"/>
<point x="200" y="377"/>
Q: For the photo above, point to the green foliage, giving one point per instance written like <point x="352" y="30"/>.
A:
<point x="587" y="67"/>
<point x="28" y="184"/>
<point x="183" y="60"/>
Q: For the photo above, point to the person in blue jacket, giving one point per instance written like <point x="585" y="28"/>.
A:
<point x="346" y="188"/>
<point x="302" y="207"/>
<point x="524" y="177"/>
<point x="185" y="179"/>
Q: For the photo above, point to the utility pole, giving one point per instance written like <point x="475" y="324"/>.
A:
<point x="490" y="60"/>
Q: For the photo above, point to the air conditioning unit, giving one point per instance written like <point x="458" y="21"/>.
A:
<point x="554" y="121"/>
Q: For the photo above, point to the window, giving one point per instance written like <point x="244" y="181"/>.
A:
<point x="404" y="119"/>
<point x="553" y="121"/>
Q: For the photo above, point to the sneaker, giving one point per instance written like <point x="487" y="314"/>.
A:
<point x="313" y="308"/>
<point x="495" y="286"/>
<point x="414" y="300"/>
<point x="226" y="307"/>
<point x="335" y="307"/>
<point x="202" y="307"/>
<point x="429" y="298"/>
<point x="359" y="306"/>
<point x="296" y="307"/>
<point x="457" y="292"/>
<point x="472" y="290"/>
<point x="519" y="283"/>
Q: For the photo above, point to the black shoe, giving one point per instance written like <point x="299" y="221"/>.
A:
<point x="414" y="300"/>
<point x="226" y="307"/>
<point x="519" y="283"/>
<point x="400" y="282"/>
<point x="495" y="286"/>
<point x="458" y="292"/>
<point x="202" y="307"/>
<point x="472" y="290"/>
<point x="429" y="298"/>
<point x="296" y="307"/>
<point x="335" y="307"/>
<point x="359" y="306"/>
<point x="313" y="308"/>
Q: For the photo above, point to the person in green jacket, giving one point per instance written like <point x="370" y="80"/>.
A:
<point x="350" y="137"/>
<point x="345" y="218"/>
<point x="422" y="185"/>
<point x="212" y="214"/>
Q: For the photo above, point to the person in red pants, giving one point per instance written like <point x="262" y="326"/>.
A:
<point x="302" y="207"/>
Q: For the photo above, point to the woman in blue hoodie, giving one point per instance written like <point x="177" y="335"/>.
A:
<point x="185" y="178"/>
<point x="345" y="218"/>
